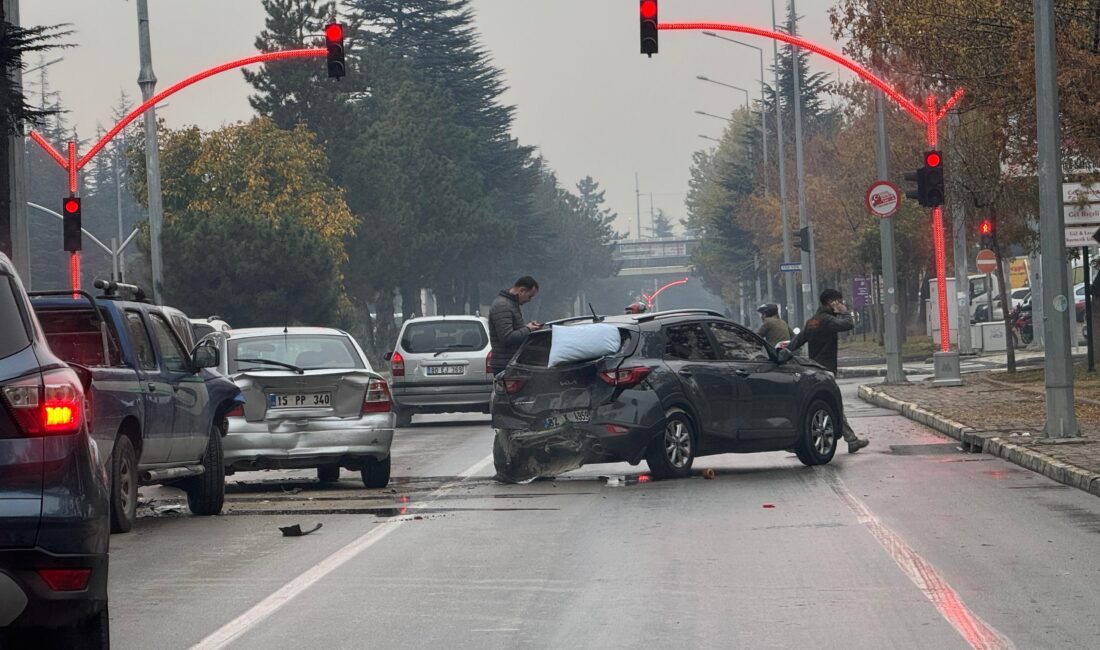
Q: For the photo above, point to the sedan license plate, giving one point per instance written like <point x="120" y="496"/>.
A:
<point x="445" y="370"/>
<point x="299" y="400"/>
<point x="579" y="416"/>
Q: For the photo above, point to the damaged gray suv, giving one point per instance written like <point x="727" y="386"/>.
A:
<point x="683" y="384"/>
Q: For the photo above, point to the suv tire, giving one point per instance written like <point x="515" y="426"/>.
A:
<point x="820" y="434"/>
<point x="328" y="473"/>
<point x="376" y="473"/>
<point x="206" y="492"/>
<point x="124" y="485"/>
<point x="501" y="463"/>
<point x="672" y="452"/>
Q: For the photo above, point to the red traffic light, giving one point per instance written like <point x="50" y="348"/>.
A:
<point x="649" y="9"/>
<point x="933" y="159"/>
<point x="334" y="32"/>
<point x="986" y="227"/>
<point x="72" y="206"/>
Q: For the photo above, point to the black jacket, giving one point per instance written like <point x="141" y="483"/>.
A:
<point x="821" y="333"/>
<point x="507" y="330"/>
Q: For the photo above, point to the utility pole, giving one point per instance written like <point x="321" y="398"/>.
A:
<point x="1061" y="419"/>
<point x="958" y="223"/>
<point x="895" y="374"/>
<point x="788" y="278"/>
<point x="148" y="82"/>
<point x="638" y="205"/>
<point x="809" y="282"/>
<point x="16" y="233"/>
<point x="652" y="220"/>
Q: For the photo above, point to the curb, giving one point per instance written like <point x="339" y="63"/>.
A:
<point x="993" y="445"/>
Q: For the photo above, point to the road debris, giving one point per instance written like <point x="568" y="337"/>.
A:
<point x="296" y="530"/>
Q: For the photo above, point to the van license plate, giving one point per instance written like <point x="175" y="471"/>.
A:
<point x="299" y="400"/>
<point x="445" y="370"/>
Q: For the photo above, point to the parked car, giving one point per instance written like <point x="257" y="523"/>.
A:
<point x="441" y="365"/>
<point x="979" y="307"/>
<point x="200" y="327"/>
<point x="683" y="384"/>
<point x="311" y="400"/>
<point x="172" y="433"/>
<point x="54" y="531"/>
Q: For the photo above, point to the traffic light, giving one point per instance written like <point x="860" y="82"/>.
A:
<point x="801" y="239"/>
<point x="334" y="40"/>
<point x="985" y="233"/>
<point x="933" y="192"/>
<point x="70" y="209"/>
<point x="928" y="179"/>
<point x="647" y="14"/>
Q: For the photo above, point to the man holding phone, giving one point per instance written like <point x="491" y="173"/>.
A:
<point x="821" y="333"/>
<point x="507" y="331"/>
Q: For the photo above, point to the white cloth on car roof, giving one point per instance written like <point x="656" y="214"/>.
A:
<point x="572" y="343"/>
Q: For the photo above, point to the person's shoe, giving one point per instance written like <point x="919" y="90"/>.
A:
<point x="857" y="444"/>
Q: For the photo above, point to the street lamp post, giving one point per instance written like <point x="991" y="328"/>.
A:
<point x="148" y="82"/>
<point x="717" y="117"/>
<point x="707" y="137"/>
<point x="763" y="118"/>
<point x="709" y="80"/>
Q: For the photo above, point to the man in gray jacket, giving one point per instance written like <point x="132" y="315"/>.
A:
<point x="507" y="331"/>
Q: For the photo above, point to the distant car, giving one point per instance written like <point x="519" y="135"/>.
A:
<point x="311" y="400"/>
<point x="683" y="384"/>
<point x="441" y="365"/>
<point x="54" y="531"/>
<point x="980" y="305"/>
<point x="200" y="327"/>
<point x="1079" y="301"/>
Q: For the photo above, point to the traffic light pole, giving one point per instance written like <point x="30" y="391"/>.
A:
<point x="148" y="82"/>
<point x="808" y="278"/>
<point x="895" y="374"/>
<point x="793" y="312"/>
<point x="958" y="225"/>
<point x="1061" y="420"/>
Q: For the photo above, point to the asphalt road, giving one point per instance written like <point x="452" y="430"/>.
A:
<point x="908" y="544"/>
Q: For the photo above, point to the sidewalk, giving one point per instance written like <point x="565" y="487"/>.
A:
<point x="856" y="367"/>
<point x="1002" y="420"/>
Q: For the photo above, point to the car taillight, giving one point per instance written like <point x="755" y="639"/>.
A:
<point x="65" y="579"/>
<point x="236" y="412"/>
<point x="377" y="399"/>
<point x="54" y="407"/>
<point x="488" y="359"/>
<point x="625" y="377"/>
<point x="397" y="365"/>
<point x="514" y="385"/>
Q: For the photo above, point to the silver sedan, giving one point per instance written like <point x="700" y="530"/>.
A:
<point x="311" y="400"/>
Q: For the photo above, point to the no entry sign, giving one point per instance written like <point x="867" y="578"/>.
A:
<point x="987" y="261"/>
<point x="882" y="199"/>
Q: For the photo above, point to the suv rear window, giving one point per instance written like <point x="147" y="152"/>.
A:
<point x="536" y="349"/>
<point x="13" y="327"/>
<point x="440" y="336"/>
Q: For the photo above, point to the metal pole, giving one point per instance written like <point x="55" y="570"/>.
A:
<point x="1088" y="310"/>
<point x="19" y="233"/>
<point x="895" y="374"/>
<point x="989" y="295"/>
<point x="788" y="278"/>
<point x="148" y="82"/>
<point x="958" y="223"/>
<point x="756" y="274"/>
<point x="808" y="279"/>
<point x="1061" y="419"/>
<point x="114" y="260"/>
<point x="768" y="273"/>
<point x="638" y="205"/>
<point x="118" y="209"/>
<point x="763" y="123"/>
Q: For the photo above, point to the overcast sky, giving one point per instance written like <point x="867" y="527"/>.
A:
<point x="584" y="95"/>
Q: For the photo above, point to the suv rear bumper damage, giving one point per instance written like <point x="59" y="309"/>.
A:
<point x="289" y="444"/>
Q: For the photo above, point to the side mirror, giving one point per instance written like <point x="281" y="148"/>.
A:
<point x="784" y="355"/>
<point x="389" y="355"/>
<point x="205" y="355"/>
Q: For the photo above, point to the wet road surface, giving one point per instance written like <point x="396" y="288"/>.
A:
<point x="908" y="544"/>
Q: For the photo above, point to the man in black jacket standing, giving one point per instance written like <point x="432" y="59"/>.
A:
<point x="821" y="333"/>
<point x="507" y="331"/>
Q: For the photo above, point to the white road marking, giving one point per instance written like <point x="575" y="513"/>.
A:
<point x="976" y="632"/>
<point x="268" y="606"/>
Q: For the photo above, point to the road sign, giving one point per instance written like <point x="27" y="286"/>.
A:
<point x="790" y="267"/>
<point x="882" y="199"/>
<point x="1081" y="215"/>
<point x="1080" y="193"/>
<point x="1078" y="236"/>
<point x="987" y="261"/>
<point x="1096" y="238"/>
<point x="861" y="292"/>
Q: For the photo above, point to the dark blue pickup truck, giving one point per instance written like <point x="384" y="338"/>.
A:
<point x="157" y="410"/>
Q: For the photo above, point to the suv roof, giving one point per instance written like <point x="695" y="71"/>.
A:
<point x="631" y="319"/>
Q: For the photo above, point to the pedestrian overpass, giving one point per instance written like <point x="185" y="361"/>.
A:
<point x="655" y="257"/>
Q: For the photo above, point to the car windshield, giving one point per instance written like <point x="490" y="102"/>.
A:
<point x="305" y="351"/>
<point x="441" y="336"/>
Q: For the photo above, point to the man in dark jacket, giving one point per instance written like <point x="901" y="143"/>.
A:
<point x="773" y="329"/>
<point x="821" y="333"/>
<point x="507" y="331"/>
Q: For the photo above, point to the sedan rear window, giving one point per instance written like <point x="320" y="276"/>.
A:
<point x="305" y="351"/>
<point x="440" y="336"/>
<point x="13" y="328"/>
